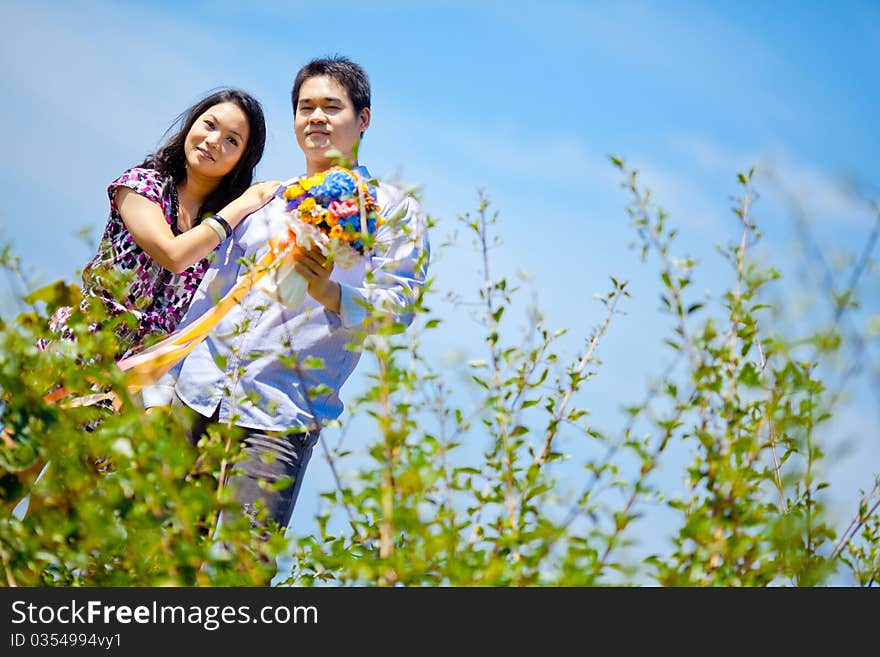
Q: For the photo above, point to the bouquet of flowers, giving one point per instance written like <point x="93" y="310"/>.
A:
<point x="334" y="211"/>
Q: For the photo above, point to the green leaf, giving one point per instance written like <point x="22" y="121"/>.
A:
<point x="56" y="294"/>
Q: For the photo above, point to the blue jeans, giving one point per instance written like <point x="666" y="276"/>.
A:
<point x="268" y="458"/>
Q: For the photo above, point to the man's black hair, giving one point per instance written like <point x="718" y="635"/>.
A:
<point x="348" y="74"/>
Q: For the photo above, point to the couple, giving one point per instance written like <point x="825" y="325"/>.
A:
<point x="248" y="370"/>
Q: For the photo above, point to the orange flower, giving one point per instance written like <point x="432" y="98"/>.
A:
<point x="330" y="218"/>
<point x="310" y="212"/>
<point x="337" y="232"/>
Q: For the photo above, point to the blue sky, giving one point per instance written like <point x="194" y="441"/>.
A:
<point x="523" y="100"/>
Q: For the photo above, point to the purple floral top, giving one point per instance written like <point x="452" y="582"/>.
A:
<point x="157" y="297"/>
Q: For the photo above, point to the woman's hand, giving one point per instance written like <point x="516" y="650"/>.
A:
<point x="253" y="198"/>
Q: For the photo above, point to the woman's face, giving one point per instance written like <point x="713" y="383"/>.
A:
<point x="216" y="141"/>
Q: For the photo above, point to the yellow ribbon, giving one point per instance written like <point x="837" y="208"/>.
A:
<point x="149" y="365"/>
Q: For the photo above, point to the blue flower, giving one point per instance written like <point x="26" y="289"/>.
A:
<point x="351" y="224"/>
<point x="336" y="186"/>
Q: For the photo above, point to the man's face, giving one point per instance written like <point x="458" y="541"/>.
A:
<point x="325" y="119"/>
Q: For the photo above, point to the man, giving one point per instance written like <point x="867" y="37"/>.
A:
<point x="249" y="370"/>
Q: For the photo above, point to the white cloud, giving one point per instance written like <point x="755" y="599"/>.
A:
<point x="823" y="194"/>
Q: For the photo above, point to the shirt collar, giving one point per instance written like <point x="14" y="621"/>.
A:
<point x="360" y="170"/>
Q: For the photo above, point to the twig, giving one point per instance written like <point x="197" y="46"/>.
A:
<point x="861" y="355"/>
<point x="857" y="522"/>
<point x="496" y="373"/>
<point x="771" y="431"/>
<point x="744" y="216"/>
<point x="10" y="579"/>
<point x="588" y="356"/>
<point x="541" y="457"/>
<point x="575" y="510"/>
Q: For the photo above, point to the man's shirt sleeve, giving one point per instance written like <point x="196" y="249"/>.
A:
<point x="161" y="393"/>
<point x="396" y="269"/>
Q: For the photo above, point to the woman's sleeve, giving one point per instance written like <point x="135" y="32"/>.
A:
<point x="146" y="182"/>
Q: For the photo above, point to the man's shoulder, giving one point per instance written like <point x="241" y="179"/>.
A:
<point x="259" y="224"/>
<point x="392" y="197"/>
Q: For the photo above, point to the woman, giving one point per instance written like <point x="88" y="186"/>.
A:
<point x="155" y="248"/>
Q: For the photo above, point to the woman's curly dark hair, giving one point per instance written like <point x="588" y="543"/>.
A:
<point x="170" y="160"/>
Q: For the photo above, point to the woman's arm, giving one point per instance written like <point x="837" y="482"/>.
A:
<point x="147" y="225"/>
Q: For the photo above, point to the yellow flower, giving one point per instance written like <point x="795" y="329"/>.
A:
<point x="311" y="181"/>
<point x="294" y="191"/>
<point x="307" y="206"/>
<point x="336" y="232"/>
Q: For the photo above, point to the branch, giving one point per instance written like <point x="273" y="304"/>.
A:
<point x="857" y="522"/>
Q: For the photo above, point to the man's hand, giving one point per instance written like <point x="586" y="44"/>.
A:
<point x="312" y="265"/>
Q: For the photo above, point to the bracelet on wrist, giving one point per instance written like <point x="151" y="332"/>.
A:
<point x="215" y="226"/>
<point x="225" y="224"/>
